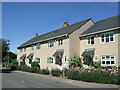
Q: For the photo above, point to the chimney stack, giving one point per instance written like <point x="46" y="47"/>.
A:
<point x="65" y="24"/>
<point x="36" y="35"/>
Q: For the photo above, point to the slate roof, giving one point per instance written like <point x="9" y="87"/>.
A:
<point x="103" y="25"/>
<point x="62" y="31"/>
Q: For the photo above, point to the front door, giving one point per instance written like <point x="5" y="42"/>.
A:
<point x="87" y="60"/>
<point x="58" y="60"/>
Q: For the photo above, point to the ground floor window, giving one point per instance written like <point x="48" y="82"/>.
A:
<point x="49" y="60"/>
<point x="108" y="60"/>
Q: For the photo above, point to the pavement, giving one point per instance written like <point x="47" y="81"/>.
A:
<point x="19" y="79"/>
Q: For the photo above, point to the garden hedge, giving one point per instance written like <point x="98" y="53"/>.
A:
<point x="95" y="76"/>
<point x="56" y="72"/>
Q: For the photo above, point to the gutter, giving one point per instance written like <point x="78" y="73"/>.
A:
<point x="99" y="31"/>
<point x="42" y="40"/>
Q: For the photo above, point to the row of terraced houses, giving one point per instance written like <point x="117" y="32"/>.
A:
<point x="97" y="41"/>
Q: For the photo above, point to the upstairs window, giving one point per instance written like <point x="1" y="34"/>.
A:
<point x="32" y="47"/>
<point x="20" y="50"/>
<point x="60" y="42"/>
<point x="24" y="49"/>
<point x="107" y="37"/>
<point x="49" y="60"/>
<point x="51" y="43"/>
<point x="90" y="40"/>
<point x="38" y="46"/>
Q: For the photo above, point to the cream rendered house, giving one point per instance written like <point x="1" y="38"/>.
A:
<point x="101" y="42"/>
<point x="55" y="48"/>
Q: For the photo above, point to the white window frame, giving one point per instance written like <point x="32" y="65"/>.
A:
<point x="50" y="60"/>
<point x="38" y="46"/>
<point x="51" y="43"/>
<point x="24" y="49"/>
<point x="38" y="60"/>
<point x="90" y="40"/>
<point x="32" y="47"/>
<point x="20" y="50"/>
<point x="105" y="37"/>
<point x="60" y="41"/>
<point x="109" y="60"/>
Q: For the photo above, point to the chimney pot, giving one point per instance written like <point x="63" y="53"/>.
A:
<point x="36" y="35"/>
<point x="65" y="24"/>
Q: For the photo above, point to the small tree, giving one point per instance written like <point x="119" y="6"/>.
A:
<point x="75" y="62"/>
<point x="14" y="61"/>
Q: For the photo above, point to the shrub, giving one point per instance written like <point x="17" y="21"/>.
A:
<point x="13" y="67"/>
<point x="3" y="64"/>
<point x="75" y="62"/>
<point x="35" y="64"/>
<point x="23" y="68"/>
<point x="22" y="63"/>
<point x="56" y="72"/>
<point x="93" y="76"/>
<point x="18" y="67"/>
<point x="14" y="61"/>
<point x="44" y="71"/>
<point x="34" y="70"/>
<point x="96" y="64"/>
<point x="108" y="67"/>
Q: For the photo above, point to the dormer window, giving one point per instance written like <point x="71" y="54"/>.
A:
<point x="90" y="40"/>
<point x="20" y="50"/>
<point x="32" y="47"/>
<point x="60" y="42"/>
<point x="51" y="43"/>
<point x="24" y="49"/>
<point x="38" y="46"/>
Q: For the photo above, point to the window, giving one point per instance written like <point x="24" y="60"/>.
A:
<point x="102" y="38"/>
<point x="50" y="60"/>
<point x="90" y="40"/>
<point x="24" y="49"/>
<point x="38" y="60"/>
<point x="107" y="37"/>
<point x="65" y="58"/>
<point x="60" y="42"/>
<point x="38" y="46"/>
<point x="51" y="43"/>
<point x="20" y="50"/>
<point x="32" y="47"/>
<point x="108" y="60"/>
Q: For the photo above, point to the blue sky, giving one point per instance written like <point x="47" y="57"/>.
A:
<point x="21" y="20"/>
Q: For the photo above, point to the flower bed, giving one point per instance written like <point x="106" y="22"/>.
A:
<point x="90" y="75"/>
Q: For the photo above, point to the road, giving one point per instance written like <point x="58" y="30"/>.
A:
<point x="18" y="79"/>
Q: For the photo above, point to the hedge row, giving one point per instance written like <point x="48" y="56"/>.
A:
<point x="105" y="77"/>
<point x="56" y="72"/>
<point x="95" y="76"/>
<point x="33" y="70"/>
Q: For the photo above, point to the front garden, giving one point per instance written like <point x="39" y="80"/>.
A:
<point x="97" y="73"/>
